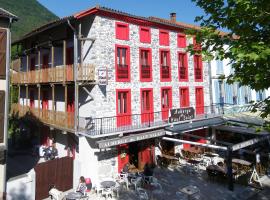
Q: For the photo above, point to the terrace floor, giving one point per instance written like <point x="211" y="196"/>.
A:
<point x="173" y="179"/>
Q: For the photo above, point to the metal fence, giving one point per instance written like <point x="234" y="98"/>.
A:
<point x="106" y="125"/>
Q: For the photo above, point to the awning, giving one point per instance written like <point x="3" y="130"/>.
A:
<point x="195" y="124"/>
<point x="131" y="138"/>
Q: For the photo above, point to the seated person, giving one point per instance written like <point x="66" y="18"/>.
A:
<point x="81" y="188"/>
<point x="125" y="168"/>
<point x="147" y="171"/>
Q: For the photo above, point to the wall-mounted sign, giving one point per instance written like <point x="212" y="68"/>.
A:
<point x="131" y="138"/>
<point x="102" y="76"/>
<point x="182" y="114"/>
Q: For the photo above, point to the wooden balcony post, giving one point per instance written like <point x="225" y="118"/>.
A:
<point x="19" y="93"/>
<point x="64" y="59"/>
<point x="27" y="96"/>
<point x="53" y="103"/>
<point x="27" y="63"/>
<point x="66" y="93"/>
<point x="39" y="66"/>
<point x="52" y="62"/>
<point x="38" y="85"/>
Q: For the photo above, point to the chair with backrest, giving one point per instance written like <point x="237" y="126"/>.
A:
<point x="142" y="194"/>
<point x="136" y="182"/>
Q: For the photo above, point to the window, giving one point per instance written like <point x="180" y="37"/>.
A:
<point x="145" y="35"/>
<point x="181" y="41"/>
<point x="166" y="101"/>
<point x="219" y="64"/>
<point x="196" y="46"/>
<point x="199" y="100"/>
<point x="122" y="31"/>
<point x="123" y="107"/>
<point x="198" y="68"/>
<point x="184" y="97"/>
<point x="32" y="64"/>
<point x="183" y="67"/>
<point x="122" y="63"/>
<point x="234" y="100"/>
<point x="165" y="65"/>
<point x="145" y="64"/>
<point x="164" y="38"/>
<point x="147" y="105"/>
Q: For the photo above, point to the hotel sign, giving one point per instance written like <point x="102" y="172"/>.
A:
<point x="131" y="138"/>
<point x="182" y="114"/>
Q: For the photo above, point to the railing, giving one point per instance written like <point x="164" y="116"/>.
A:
<point x="145" y="71"/>
<point x="63" y="73"/>
<point x="122" y="71"/>
<point x="165" y="72"/>
<point x="55" y="118"/>
<point x="198" y="73"/>
<point x="107" y="125"/>
<point x="183" y="73"/>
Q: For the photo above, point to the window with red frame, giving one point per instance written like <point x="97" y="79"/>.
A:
<point x="122" y="31"/>
<point x="147" y="105"/>
<point x="123" y="107"/>
<point x="165" y="65"/>
<point x="198" y="68"/>
<point x="199" y="100"/>
<point x="164" y="38"/>
<point x="181" y="41"/>
<point x="183" y="66"/>
<point x="184" y="97"/>
<point x="196" y="46"/>
<point x="145" y="35"/>
<point x="166" y="102"/>
<point x="146" y="64"/>
<point x="122" y="63"/>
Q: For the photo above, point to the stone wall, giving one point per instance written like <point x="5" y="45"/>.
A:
<point x="102" y="54"/>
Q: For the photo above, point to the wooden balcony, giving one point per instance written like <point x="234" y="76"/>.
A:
<point x="58" y="74"/>
<point x="57" y="119"/>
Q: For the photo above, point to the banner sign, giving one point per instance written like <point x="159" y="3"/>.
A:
<point x="128" y="139"/>
<point x="102" y="76"/>
<point x="182" y="114"/>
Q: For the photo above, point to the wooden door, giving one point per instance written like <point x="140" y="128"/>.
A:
<point x="2" y="112"/>
<point x="199" y="100"/>
<point x="3" y="46"/>
<point x="32" y="98"/>
<point x="45" y="66"/>
<point x="166" y="102"/>
<point x="123" y="156"/>
<point x="147" y="106"/>
<point x="69" y="64"/>
<point x="123" y="106"/>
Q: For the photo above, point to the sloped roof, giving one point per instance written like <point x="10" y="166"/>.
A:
<point x="5" y="14"/>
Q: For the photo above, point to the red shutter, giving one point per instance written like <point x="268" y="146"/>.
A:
<point x="164" y="38"/>
<point x="122" y="31"/>
<point x="2" y="112"/>
<point x="147" y="105"/>
<point x="181" y="41"/>
<point x="184" y="97"/>
<point x="123" y="99"/>
<point x="3" y="46"/>
<point x="145" y="35"/>
<point x="199" y="100"/>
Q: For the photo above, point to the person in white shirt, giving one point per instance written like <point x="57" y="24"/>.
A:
<point x="258" y="163"/>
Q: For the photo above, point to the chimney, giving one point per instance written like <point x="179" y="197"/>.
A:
<point x="173" y="17"/>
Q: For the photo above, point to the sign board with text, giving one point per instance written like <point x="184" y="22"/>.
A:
<point x="182" y="114"/>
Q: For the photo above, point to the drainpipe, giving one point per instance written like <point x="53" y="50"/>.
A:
<point x="8" y="51"/>
<point x="210" y="86"/>
<point x="75" y="64"/>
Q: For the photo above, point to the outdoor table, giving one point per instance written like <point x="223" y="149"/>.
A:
<point x="193" y="162"/>
<point x="217" y="168"/>
<point x="170" y="158"/>
<point x="241" y="162"/>
<point x="107" y="184"/>
<point x="73" y="196"/>
<point x="190" y="191"/>
<point x="210" y="155"/>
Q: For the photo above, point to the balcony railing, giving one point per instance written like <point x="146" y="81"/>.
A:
<point x="54" y="118"/>
<point x="183" y="73"/>
<point x="145" y="71"/>
<point x="122" y="71"/>
<point x="63" y="73"/>
<point x="165" y="72"/>
<point x="107" y="125"/>
<point x="198" y="73"/>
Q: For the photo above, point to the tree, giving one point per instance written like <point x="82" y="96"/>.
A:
<point x="247" y="41"/>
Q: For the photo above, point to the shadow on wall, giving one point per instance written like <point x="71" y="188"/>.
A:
<point x="19" y="193"/>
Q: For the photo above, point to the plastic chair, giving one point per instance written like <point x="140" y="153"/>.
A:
<point x="107" y="192"/>
<point x="142" y="194"/>
<point x="136" y="182"/>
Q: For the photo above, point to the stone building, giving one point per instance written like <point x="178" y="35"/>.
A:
<point x="6" y="19"/>
<point x="104" y="84"/>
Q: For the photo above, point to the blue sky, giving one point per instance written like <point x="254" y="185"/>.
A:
<point x="186" y="10"/>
